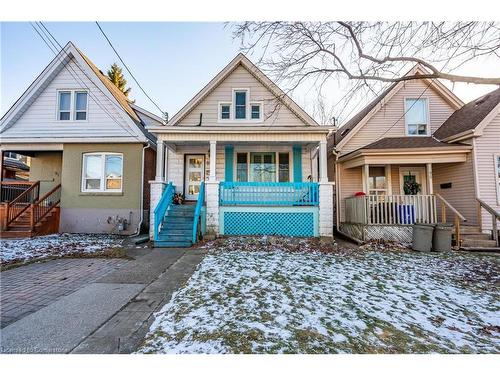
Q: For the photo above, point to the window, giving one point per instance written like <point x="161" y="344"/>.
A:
<point x="284" y="167"/>
<point x="241" y="167"/>
<point x="102" y="172"/>
<point x="416" y="117"/>
<point x="225" y="111"/>
<point x="263" y="166"/>
<point x="497" y="160"/>
<point x="240" y="105"/>
<point x="64" y="105"/>
<point x="376" y="181"/>
<point x="81" y="105"/>
<point x="255" y="111"/>
<point x="72" y="105"/>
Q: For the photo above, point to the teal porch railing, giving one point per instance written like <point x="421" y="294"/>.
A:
<point x="197" y="211"/>
<point x="269" y="193"/>
<point x="161" y="209"/>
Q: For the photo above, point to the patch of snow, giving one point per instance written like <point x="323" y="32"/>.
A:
<point x="251" y="297"/>
<point x="58" y="245"/>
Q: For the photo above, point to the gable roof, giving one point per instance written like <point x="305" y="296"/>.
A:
<point x="242" y="60"/>
<point x="351" y="126"/>
<point x="58" y="63"/>
<point x="469" y="116"/>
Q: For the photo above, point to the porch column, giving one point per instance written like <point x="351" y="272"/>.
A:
<point x="366" y="178"/>
<point x="430" y="188"/>
<point x="213" y="160"/>
<point x="156" y="186"/>
<point x="212" y="195"/>
<point x="323" y="161"/>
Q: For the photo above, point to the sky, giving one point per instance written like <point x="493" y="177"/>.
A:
<point x="171" y="60"/>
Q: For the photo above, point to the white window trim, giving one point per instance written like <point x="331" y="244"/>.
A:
<point x="219" y="112"/>
<point x="247" y="103"/>
<point x="72" y="105"/>
<point x="261" y="106"/>
<point x="276" y="160"/>
<point x="496" y="162"/>
<point x="103" y="173"/>
<point x="386" y="190"/>
<point x="428" y="127"/>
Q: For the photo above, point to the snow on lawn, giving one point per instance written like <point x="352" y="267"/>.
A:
<point x="22" y="250"/>
<point x="244" y="298"/>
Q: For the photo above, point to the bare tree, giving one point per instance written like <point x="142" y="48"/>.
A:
<point x="369" y="54"/>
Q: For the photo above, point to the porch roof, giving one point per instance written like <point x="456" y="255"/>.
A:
<point x="406" y="150"/>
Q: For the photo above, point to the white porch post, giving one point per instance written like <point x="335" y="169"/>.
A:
<point x="157" y="185"/>
<point x="212" y="194"/>
<point x="325" y="194"/>
<point x="430" y="188"/>
<point x="366" y="178"/>
<point x="323" y="161"/>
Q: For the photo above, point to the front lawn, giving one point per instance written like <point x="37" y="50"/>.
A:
<point x="18" y="251"/>
<point x="252" y="296"/>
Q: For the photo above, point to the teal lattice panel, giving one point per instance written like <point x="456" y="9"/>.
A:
<point x="293" y="224"/>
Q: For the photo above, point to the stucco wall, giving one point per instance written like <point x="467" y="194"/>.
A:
<point x="91" y="212"/>
<point x="46" y="167"/>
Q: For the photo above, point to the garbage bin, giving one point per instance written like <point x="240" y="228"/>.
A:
<point x="441" y="240"/>
<point x="422" y="237"/>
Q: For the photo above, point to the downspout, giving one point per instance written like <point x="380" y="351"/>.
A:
<point x="138" y="231"/>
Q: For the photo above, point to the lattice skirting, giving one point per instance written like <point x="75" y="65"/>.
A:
<point x="397" y="233"/>
<point x="277" y="221"/>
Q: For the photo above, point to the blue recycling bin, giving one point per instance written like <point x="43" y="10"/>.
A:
<point x="407" y="213"/>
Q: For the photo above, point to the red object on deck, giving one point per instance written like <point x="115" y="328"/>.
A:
<point x="359" y="194"/>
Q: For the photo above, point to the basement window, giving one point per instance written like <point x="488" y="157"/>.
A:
<point x="102" y="172"/>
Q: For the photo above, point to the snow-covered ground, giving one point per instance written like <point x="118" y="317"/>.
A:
<point x="252" y="296"/>
<point x="22" y="250"/>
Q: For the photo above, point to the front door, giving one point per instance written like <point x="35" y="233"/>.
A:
<point x="410" y="177"/>
<point x="195" y="174"/>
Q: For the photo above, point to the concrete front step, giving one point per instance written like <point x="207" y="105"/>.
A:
<point x="467" y="242"/>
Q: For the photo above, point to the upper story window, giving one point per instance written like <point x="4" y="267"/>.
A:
<point x="240" y="100"/>
<point x="225" y="111"/>
<point x="102" y="172"/>
<point x="417" y="117"/>
<point x="72" y="105"/>
<point x="255" y="107"/>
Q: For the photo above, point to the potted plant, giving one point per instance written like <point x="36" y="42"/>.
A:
<point x="178" y="198"/>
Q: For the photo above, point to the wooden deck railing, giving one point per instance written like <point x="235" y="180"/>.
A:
<point x="10" y="190"/>
<point x="458" y="217"/>
<point x="21" y="203"/>
<point x="495" y="216"/>
<point x="44" y="205"/>
<point x="391" y="209"/>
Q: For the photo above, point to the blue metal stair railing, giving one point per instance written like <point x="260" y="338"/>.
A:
<point x="197" y="211"/>
<point x="161" y="209"/>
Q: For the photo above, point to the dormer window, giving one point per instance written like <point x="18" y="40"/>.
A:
<point x="417" y="117"/>
<point x="240" y="107"/>
<point x="72" y="105"/>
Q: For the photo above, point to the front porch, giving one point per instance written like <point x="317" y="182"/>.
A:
<point x="245" y="187"/>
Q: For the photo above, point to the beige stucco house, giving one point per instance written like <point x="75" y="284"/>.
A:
<point x="403" y="160"/>
<point x="91" y="156"/>
<point x="247" y="157"/>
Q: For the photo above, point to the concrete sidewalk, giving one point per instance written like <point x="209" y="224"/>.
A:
<point x="111" y="315"/>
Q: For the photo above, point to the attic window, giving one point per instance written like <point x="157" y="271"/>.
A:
<point x="240" y="107"/>
<point x="64" y="106"/>
<point x="417" y="117"/>
<point x="72" y="105"/>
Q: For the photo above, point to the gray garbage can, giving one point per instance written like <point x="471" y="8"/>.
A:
<point x="422" y="237"/>
<point x="441" y="240"/>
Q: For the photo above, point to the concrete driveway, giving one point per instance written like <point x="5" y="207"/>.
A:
<point x="89" y="305"/>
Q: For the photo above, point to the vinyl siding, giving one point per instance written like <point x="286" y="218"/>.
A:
<point x="389" y="121"/>
<point x="486" y="146"/>
<point x="39" y="120"/>
<point x="241" y="78"/>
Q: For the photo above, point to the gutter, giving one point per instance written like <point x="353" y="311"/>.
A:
<point x="138" y="231"/>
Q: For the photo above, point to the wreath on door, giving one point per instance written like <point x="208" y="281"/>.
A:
<point x="411" y="186"/>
